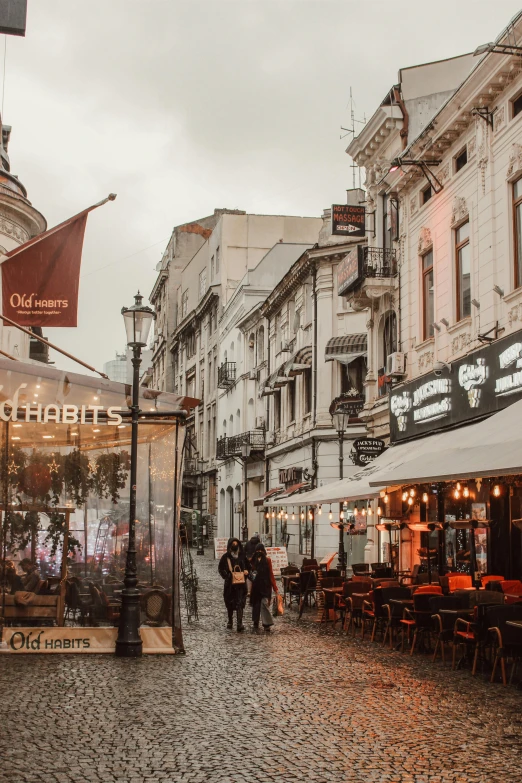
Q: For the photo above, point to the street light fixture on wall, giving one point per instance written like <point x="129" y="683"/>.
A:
<point x="138" y="321"/>
<point x="340" y="421"/>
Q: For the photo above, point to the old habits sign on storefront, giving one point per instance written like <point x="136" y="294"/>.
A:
<point x="481" y="383"/>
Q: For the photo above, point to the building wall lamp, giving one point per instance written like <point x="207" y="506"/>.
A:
<point x="498" y="48"/>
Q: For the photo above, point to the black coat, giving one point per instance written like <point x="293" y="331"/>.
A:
<point x="250" y="546"/>
<point x="233" y="595"/>
<point x="261" y="581"/>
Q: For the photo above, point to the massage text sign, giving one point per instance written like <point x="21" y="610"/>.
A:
<point x="348" y="220"/>
<point x="483" y="382"/>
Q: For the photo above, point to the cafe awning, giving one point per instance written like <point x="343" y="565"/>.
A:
<point x="276" y="380"/>
<point x="295" y="488"/>
<point x="263" y="499"/>
<point x="347" y="348"/>
<point x="490" y="448"/>
<point x="349" y="488"/>
<point x="300" y="361"/>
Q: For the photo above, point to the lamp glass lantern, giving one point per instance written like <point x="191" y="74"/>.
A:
<point x="138" y="320"/>
<point x="340" y="420"/>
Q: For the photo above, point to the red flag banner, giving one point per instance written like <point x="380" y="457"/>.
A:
<point x="40" y="279"/>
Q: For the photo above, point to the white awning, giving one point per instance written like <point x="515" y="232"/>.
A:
<point x="490" y="448"/>
<point x="349" y="488"/>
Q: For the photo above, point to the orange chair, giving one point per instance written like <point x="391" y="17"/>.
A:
<point x="433" y="589"/>
<point x="511" y="586"/>
<point x="459" y="582"/>
<point x="486" y="579"/>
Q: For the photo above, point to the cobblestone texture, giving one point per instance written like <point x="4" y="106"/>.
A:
<point x="301" y="704"/>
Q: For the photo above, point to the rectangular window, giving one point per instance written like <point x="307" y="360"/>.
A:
<point x="184" y="304"/>
<point x="428" y="299"/>
<point x="277" y="410"/>
<point x="517" y="105"/>
<point x="461" y="159"/>
<point x="217" y="259"/>
<point x="463" y="270"/>
<point x="307" y="387"/>
<point x="386" y="223"/>
<point x="426" y="194"/>
<point x="517" y="229"/>
<point x="202" y="283"/>
<point x="190" y="344"/>
<point x="291" y="401"/>
<point x="212" y="268"/>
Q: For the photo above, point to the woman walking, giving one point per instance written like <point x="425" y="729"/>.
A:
<point x="234" y="568"/>
<point x="263" y="582"/>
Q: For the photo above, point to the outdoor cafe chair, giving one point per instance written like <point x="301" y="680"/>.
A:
<point x="431" y="589"/>
<point x="485" y="579"/>
<point x="307" y="586"/>
<point x="361" y="569"/>
<point x="507" y="640"/>
<point x="288" y="571"/>
<point x="155" y="605"/>
<point x="393" y="611"/>
<point x="354" y="602"/>
<point x="444" y="622"/>
<point x="417" y="620"/>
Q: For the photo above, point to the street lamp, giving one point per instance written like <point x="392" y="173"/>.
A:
<point x="340" y="421"/>
<point x="138" y="320"/>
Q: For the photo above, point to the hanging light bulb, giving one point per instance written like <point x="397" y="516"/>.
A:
<point x="410" y="501"/>
<point x="310" y="515"/>
<point x="425" y="497"/>
<point x="458" y="486"/>
<point x="363" y="511"/>
<point x="465" y="492"/>
<point x="355" y="511"/>
<point x="386" y="499"/>
<point x="456" y="493"/>
<point x="370" y="511"/>
<point x="320" y="511"/>
<point x="267" y="515"/>
<point x="302" y="515"/>
<point x="412" y="492"/>
<point x="286" y="516"/>
<point x="404" y="497"/>
<point x="293" y="512"/>
<point x="496" y="490"/>
<point x="273" y="514"/>
<point x="379" y="511"/>
<point x="330" y="515"/>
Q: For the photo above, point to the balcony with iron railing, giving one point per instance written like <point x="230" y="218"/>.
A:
<point x="243" y="445"/>
<point x="226" y="375"/>
<point x="379" y="271"/>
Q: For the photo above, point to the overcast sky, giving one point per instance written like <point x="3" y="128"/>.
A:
<point x="183" y="106"/>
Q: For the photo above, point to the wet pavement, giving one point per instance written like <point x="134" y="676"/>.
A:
<point x="304" y="703"/>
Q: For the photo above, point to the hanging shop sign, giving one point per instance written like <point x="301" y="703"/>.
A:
<point x="289" y="476"/>
<point x="483" y="382"/>
<point x="22" y="641"/>
<point x="348" y="220"/>
<point x="352" y="405"/>
<point x="349" y="271"/>
<point x="365" y="450"/>
<point x="64" y="414"/>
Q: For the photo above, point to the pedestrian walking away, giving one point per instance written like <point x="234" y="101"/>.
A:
<point x="234" y="568"/>
<point x="263" y="582"/>
<point x="250" y="546"/>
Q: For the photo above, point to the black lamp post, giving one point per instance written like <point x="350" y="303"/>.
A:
<point x="138" y="320"/>
<point x="200" y="467"/>
<point x="340" y="421"/>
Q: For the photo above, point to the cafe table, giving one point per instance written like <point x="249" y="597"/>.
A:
<point x="515" y="624"/>
<point x="287" y="580"/>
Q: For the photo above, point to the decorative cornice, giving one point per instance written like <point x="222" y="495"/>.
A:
<point x="425" y="240"/>
<point x="515" y="161"/>
<point x="459" y="210"/>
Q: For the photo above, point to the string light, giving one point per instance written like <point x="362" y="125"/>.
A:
<point x="310" y="516"/>
<point x="404" y="497"/>
<point x="293" y="513"/>
<point x="370" y="511"/>
<point x="386" y="499"/>
<point x="286" y="516"/>
<point x="410" y="501"/>
<point x="273" y="514"/>
<point x="456" y="494"/>
<point x="330" y="515"/>
<point x="412" y="492"/>
<point x="302" y="515"/>
<point x="355" y="511"/>
<point x="496" y="491"/>
<point x="320" y="510"/>
<point x="425" y="497"/>
<point x="363" y="511"/>
<point x="379" y="511"/>
<point x="458" y="486"/>
<point x="465" y="492"/>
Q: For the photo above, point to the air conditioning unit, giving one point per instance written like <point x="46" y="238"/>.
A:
<point x="260" y="422"/>
<point x="252" y="375"/>
<point x="396" y="364"/>
<point x="238" y="507"/>
<point x="270" y="438"/>
<point x="285" y="347"/>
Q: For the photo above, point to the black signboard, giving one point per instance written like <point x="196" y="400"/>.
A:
<point x="348" y="220"/>
<point x="352" y="405"/>
<point x="483" y="382"/>
<point x="349" y="271"/>
<point x="366" y="449"/>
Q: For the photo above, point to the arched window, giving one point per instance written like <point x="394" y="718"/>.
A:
<point x="261" y="345"/>
<point x="251" y="352"/>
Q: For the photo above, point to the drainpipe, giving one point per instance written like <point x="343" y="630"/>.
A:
<point x="314" y="296"/>
<point x="267" y="429"/>
<point x="405" y="118"/>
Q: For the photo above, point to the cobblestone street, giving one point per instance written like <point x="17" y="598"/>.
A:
<point x="301" y="704"/>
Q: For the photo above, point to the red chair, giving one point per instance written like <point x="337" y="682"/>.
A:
<point x="484" y="580"/>
<point x="511" y="586"/>
<point x="433" y="589"/>
<point x="459" y="582"/>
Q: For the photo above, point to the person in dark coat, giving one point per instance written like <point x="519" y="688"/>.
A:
<point x="234" y="595"/>
<point x="263" y="582"/>
<point x="250" y="546"/>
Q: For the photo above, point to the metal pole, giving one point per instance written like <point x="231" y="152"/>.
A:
<point x="128" y="643"/>
<point x="200" y="550"/>
<point x="245" y="498"/>
<point x="342" y="555"/>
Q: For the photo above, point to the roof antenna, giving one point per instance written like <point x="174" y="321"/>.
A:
<point x="351" y="132"/>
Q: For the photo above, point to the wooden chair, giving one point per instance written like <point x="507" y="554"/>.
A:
<point x="507" y="640"/>
<point x="417" y="619"/>
<point x="155" y="604"/>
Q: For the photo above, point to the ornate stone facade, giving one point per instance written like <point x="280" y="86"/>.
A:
<point x="425" y="240"/>
<point x="515" y="161"/>
<point x="459" y="210"/>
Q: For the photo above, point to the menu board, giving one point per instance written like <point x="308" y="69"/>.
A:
<point x="279" y="557"/>
<point x="220" y="547"/>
